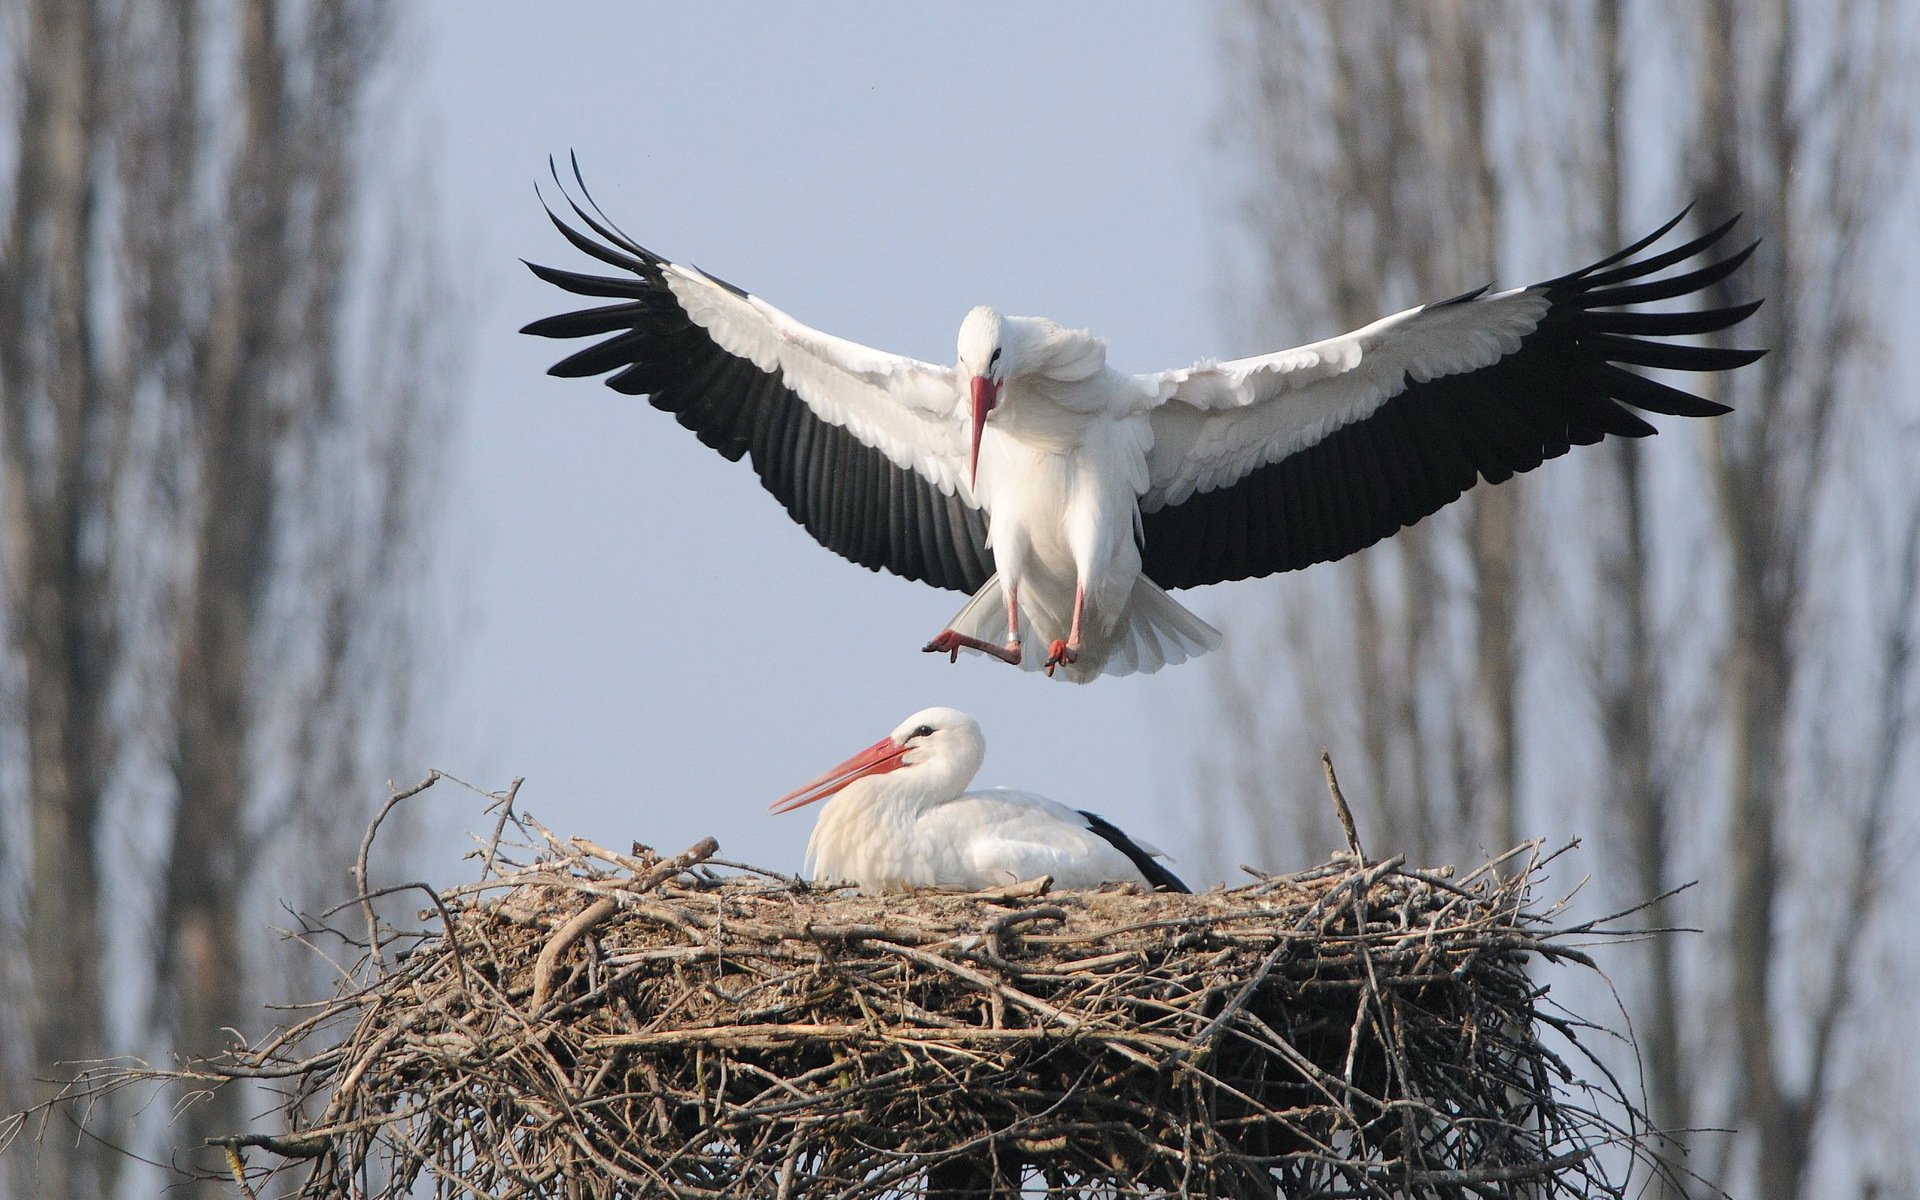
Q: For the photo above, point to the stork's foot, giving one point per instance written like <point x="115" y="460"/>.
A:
<point x="1060" y="652"/>
<point x="951" y="644"/>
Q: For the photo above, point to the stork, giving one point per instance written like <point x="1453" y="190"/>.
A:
<point x="899" y="817"/>
<point x="1068" y="497"/>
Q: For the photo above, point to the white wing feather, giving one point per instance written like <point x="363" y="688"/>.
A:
<point x="1004" y="836"/>
<point x="1216" y="422"/>
<point x="907" y="409"/>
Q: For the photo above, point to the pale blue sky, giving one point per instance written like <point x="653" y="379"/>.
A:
<point x="646" y="637"/>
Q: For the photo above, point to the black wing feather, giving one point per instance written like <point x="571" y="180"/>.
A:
<point x="1162" y="879"/>
<point x="1422" y="449"/>
<point x="849" y="496"/>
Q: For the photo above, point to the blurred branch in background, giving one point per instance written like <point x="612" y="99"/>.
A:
<point x="1805" y="119"/>
<point x="1393" y="196"/>
<point x="1717" y="651"/>
<point x="221" y="382"/>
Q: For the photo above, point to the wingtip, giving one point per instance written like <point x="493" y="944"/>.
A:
<point x="1671" y="224"/>
<point x="543" y="327"/>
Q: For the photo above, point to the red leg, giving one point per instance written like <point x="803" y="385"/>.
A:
<point x="950" y="643"/>
<point x="1069" y="650"/>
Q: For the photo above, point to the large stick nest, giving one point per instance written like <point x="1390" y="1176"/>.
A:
<point x="595" y="1024"/>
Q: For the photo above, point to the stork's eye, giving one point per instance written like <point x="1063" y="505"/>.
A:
<point x="995" y="356"/>
<point x="923" y="731"/>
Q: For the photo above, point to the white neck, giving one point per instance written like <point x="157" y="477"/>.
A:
<point x="867" y="832"/>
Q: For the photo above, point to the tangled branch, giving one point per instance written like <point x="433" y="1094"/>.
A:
<point x="596" y="1024"/>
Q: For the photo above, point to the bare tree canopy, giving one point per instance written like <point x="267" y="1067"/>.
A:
<point x="1715" y="656"/>
<point x="214" y="442"/>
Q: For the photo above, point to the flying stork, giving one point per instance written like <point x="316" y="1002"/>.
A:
<point x="900" y="817"/>
<point x="1069" y="497"/>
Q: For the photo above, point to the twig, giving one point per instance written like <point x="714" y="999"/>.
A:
<point x="285" y="1147"/>
<point x="1356" y="1029"/>
<point x="1026" y="889"/>
<point x="650" y="876"/>
<point x="366" y="850"/>
<point x="571" y="932"/>
<point x="1340" y="808"/>
<point x="238" y="1166"/>
<point x="504" y="803"/>
<point x="667" y="868"/>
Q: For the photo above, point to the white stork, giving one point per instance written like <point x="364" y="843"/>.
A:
<point x="900" y="818"/>
<point x="1067" y="495"/>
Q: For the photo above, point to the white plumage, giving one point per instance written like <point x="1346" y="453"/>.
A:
<point x="1068" y="496"/>
<point x="899" y="817"/>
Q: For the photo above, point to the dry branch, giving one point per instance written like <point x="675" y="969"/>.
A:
<point x="597" y="1024"/>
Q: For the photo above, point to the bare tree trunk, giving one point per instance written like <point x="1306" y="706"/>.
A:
<point x="1750" y="153"/>
<point x="1801" y="115"/>
<point x="1627" y="681"/>
<point x="1352" y="231"/>
<point x="206" y="501"/>
<point x="267" y="384"/>
<point x="1460" y="37"/>
<point x="56" y="497"/>
<point x="1755" y="714"/>
<point x="203" y="973"/>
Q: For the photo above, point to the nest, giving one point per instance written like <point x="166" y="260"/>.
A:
<point x="598" y="1024"/>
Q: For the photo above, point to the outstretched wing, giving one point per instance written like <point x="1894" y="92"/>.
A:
<point x="1307" y="455"/>
<point x="867" y="450"/>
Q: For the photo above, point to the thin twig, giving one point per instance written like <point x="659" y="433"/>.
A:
<point x="1356" y="1028"/>
<point x="504" y="803"/>
<point x="1340" y="808"/>
<point x="366" y="851"/>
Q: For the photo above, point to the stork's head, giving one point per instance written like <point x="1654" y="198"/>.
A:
<point x="986" y="359"/>
<point x="936" y="752"/>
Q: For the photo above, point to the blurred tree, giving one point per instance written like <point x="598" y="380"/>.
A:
<point x="1399" y="201"/>
<point x="1627" y="649"/>
<point x="62" y="421"/>
<point x="1804" y="119"/>
<point x="1750" y="673"/>
<point x="219" y="382"/>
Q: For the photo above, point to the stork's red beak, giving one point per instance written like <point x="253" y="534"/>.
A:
<point x="877" y="759"/>
<point x="986" y="394"/>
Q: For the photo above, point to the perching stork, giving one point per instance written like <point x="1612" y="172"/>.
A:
<point x="1068" y="497"/>
<point x="899" y="817"/>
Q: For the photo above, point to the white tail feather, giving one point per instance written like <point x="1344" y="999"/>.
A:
<point x="1155" y="631"/>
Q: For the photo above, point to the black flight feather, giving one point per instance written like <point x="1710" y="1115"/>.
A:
<point x="1162" y="879"/>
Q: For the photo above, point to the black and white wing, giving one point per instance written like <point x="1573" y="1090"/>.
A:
<point x="867" y="450"/>
<point x="1307" y="455"/>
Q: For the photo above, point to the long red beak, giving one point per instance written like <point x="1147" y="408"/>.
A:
<point x="986" y="394"/>
<point x="877" y="759"/>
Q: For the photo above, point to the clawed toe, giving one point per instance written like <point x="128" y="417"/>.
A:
<point x="951" y="643"/>
<point x="1059" y="652"/>
<point x="946" y="642"/>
